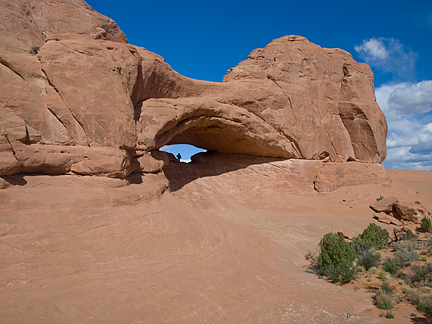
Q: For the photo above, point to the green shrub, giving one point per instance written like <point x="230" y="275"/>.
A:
<point x="369" y="259"/>
<point x="386" y="289"/>
<point x="409" y="235"/>
<point x="420" y="274"/>
<point x="405" y="258"/>
<point x="425" y="224"/>
<point x="423" y="303"/>
<point x="340" y="273"/>
<point x="391" y="265"/>
<point x="384" y="301"/>
<point x="374" y="237"/>
<point x="34" y="50"/>
<point x="383" y="275"/>
<point x="336" y="258"/>
<point x="409" y="245"/>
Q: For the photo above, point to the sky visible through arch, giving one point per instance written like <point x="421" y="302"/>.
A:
<point x="203" y="39"/>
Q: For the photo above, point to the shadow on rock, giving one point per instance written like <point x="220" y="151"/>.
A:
<point x="15" y="180"/>
<point x="208" y="164"/>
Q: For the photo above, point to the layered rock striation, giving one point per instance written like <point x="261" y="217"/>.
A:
<point x="77" y="98"/>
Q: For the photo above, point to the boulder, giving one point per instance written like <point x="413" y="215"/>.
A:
<point x="3" y="183"/>
<point x="411" y="211"/>
<point x="149" y="162"/>
<point x="345" y="234"/>
<point x="384" y="205"/>
<point x="387" y="219"/>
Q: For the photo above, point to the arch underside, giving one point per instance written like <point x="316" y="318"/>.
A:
<point x="212" y="126"/>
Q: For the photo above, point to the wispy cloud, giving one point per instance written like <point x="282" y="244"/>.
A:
<point x="389" y="56"/>
<point x="372" y="50"/>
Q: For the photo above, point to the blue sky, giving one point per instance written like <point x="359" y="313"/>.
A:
<point x="202" y="40"/>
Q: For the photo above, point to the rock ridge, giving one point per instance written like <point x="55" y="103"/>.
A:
<point x="87" y="102"/>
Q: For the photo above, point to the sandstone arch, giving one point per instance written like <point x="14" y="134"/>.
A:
<point x="210" y="125"/>
<point x="91" y="104"/>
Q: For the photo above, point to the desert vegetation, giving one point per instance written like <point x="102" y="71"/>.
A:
<point x="34" y="50"/>
<point x="401" y="267"/>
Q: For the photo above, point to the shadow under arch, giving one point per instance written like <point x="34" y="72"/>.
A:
<point x="208" y="164"/>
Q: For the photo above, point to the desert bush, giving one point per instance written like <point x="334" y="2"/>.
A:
<point x="369" y="259"/>
<point x="374" y="236"/>
<point x="420" y="275"/>
<point x="405" y="258"/>
<point x="336" y="258"/>
<point x="34" y="50"/>
<point x="384" y="299"/>
<point x="409" y="245"/>
<point x="423" y="303"/>
<point x="387" y="289"/>
<point x="409" y="235"/>
<point x="391" y="265"/>
<point x="340" y="273"/>
<point x="407" y="289"/>
<point x="383" y="275"/>
<point x="425" y="224"/>
<point x="425" y="289"/>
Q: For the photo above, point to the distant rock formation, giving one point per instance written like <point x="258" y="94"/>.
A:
<point x="87" y="102"/>
<point x="391" y="210"/>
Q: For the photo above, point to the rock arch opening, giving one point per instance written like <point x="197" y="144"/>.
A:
<point x="186" y="151"/>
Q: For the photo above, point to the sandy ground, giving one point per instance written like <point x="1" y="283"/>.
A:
<point x="222" y="247"/>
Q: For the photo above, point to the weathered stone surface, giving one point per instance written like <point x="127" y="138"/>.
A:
<point x="148" y="163"/>
<point x="86" y="87"/>
<point x="3" y="183"/>
<point x="387" y="219"/>
<point x="33" y="20"/>
<point x="8" y="162"/>
<point x="384" y="205"/>
<point x="411" y="211"/>
<point x="83" y="160"/>
<point x="332" y="176"/>
<point x="331" y="108"/>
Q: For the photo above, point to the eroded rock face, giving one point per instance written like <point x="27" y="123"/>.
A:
<point x="87" y="94"/>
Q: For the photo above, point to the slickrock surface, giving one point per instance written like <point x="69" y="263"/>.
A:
<point x="85" y="94"/>
<point x="225" y="246"/>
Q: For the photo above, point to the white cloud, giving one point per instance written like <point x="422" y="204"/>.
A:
<point x="409" y="140"/>
<point x="388" y="55"/>
<point x="402" y="158"/>
<point x="373" y="49"/>
<point x="414" y="98"/>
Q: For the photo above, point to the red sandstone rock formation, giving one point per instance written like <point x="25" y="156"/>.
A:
<point x="89" y="103"/>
